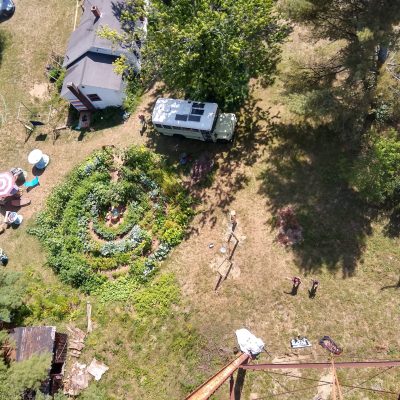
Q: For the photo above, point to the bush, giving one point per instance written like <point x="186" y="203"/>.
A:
<point x="173" y="234"/>
<point x="375" y="173"/>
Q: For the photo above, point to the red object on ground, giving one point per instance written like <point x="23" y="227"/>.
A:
<point x="327" y="343"/>
<point x="290" y="231"/>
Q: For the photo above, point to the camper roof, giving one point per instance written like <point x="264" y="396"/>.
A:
<point x="184" y="113"/>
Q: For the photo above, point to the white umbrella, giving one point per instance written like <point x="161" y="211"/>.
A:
<point x="7" y="181"/>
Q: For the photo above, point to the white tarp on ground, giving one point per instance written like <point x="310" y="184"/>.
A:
<point x="97" y="369"/>
<point x="248" y="343"/>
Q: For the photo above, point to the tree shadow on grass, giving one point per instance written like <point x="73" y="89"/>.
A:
<point x="305" y="170"/>
<point x="4" y="41"/>
<point x="251" y="136"/>
<point x="392" y="228"/>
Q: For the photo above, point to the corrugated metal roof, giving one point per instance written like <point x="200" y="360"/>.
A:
<point x="85" y="37"/>
<point x="33" y="340"/>
<point x="93" y="70"/>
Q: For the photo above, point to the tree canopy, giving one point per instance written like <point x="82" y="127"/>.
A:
<point x="350" y="39"/>
<point x="16" y="377"/>
<point x="11" y="293"/>
<point x="207" y="49"/>
<point x="365" y="25"/>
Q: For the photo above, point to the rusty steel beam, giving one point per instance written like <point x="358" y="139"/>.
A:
<point x="206" y="390"/>
<point x="321" y="365"/>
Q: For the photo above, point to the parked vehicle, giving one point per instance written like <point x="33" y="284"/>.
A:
<point x="7" y="9"/>
<point x="193" y="120"/>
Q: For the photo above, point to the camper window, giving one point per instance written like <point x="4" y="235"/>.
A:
<point x="158" y="125"/>
<point x="167" y="127"/>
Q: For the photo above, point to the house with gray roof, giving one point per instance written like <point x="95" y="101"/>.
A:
<point x="90" y="81"/>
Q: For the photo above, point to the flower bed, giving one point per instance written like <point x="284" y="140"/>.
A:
<point x="81" y="244"/>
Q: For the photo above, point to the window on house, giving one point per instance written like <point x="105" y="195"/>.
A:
<point x="94" y="97"/>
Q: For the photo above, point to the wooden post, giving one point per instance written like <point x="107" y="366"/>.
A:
<point x="232" y="388"/>
<point x="89" y="316"/>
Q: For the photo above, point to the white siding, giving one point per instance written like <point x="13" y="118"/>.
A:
<point x="109" y="98"/>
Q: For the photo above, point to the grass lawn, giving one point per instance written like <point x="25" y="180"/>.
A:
<point x="345" y="246"/>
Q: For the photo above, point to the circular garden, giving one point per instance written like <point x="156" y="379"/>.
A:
<point x="112" y="221"/>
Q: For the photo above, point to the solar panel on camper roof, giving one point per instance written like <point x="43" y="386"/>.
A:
<point x="198" y="105"/>
<point x="181" y="117"/>
<point x="194" y="118"/>
<point x="196" y="111"/>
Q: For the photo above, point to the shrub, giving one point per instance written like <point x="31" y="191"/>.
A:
<point x="375" y="173"/>
<point x="173" y="234"/>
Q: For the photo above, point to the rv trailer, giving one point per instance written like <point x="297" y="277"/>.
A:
<point x="193" y="120"/>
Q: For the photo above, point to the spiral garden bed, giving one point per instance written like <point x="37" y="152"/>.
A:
<point x="89" y="251"/>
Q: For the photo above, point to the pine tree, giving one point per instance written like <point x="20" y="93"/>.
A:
<point x="11" y="292"/>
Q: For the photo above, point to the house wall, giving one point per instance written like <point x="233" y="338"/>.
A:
<point x="70" y="97"/>
<point x="109" y="98"/>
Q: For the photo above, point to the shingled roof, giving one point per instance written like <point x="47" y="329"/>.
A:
<point x="85" y="38"/>
<point x="95" y="70"/>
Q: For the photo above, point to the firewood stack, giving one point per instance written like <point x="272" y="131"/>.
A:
<point x="75" y="343"/>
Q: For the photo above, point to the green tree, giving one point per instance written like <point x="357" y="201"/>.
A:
<point x="11" y="293"/>
<point x="376" y="171"/>
<point x="28" y="374"/>
<point x="209" y="49"/>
